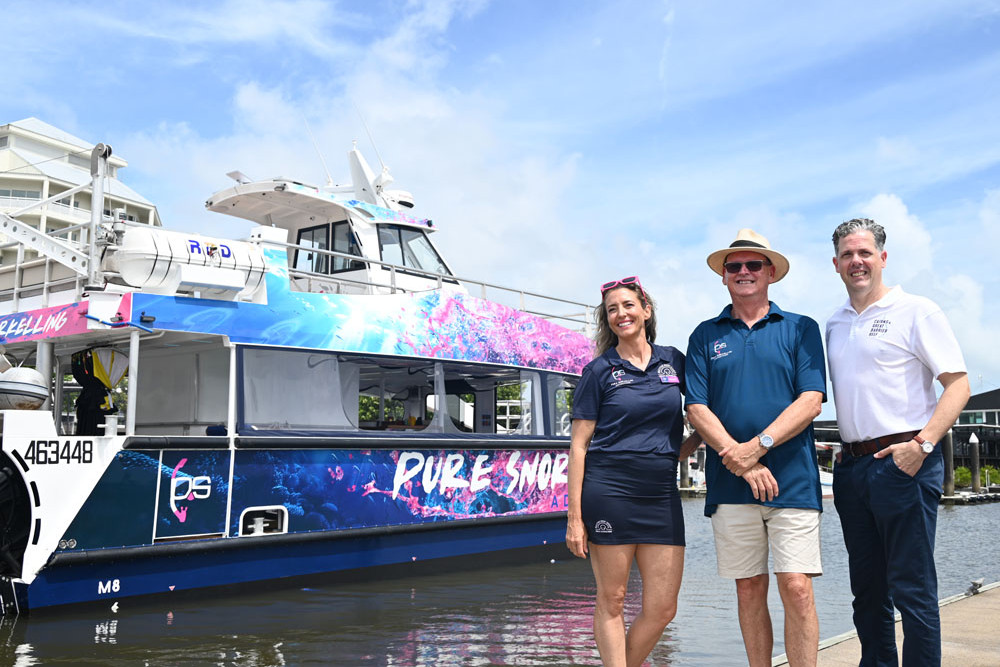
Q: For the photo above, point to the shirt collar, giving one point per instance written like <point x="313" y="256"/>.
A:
<point x="774" y="312"/>
<point x="892" y="296"/>
<point x="615" y="359"/>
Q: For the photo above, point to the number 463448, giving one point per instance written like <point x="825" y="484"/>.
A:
<point x="51" y="452"/>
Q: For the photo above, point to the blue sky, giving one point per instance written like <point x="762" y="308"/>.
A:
<point x="560" y="144"/>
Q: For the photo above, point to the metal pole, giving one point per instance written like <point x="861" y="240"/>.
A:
<point x="948" y="450"/>
<point x="57" y="399"/>
<point x="18" y="272"/>
<point x="231" y="406"/>
<point x="98" y="168"/>
<point x="699" y="456"/>
<point x="974" y="462"/>
<point x="133" y="381"/>
<point x="43" y="352"/>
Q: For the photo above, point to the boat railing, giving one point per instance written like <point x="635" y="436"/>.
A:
<point x="14" y="286"/>
<point x="549" y="307"/>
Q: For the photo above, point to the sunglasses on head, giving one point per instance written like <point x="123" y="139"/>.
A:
<point x="624" y="282"/>
<point x="753" y="266"/>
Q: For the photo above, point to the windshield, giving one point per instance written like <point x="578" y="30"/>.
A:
<point x="409" y="247"/>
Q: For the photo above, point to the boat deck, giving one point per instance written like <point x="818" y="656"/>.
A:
<point x="968" y="631"/>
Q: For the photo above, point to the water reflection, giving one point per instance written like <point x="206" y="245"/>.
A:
<point x="538" y="614"/>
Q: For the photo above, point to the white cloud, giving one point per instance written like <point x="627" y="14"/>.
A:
<point x="906" y="239"/>
<point x="298" y="24"/>
<point x="957" y="283"/>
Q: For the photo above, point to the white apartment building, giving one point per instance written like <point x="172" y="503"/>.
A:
<point x="38" y="161"/>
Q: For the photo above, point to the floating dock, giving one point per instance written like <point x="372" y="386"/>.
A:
<point x="970" y="499"/>
<point x="969" y="636"/>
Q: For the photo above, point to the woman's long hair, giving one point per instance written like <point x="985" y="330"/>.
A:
<point x="605" y="338"/>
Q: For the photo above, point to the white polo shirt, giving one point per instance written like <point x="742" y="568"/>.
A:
<point x="883" y="363"/>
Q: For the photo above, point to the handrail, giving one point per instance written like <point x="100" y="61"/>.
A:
<point x="583" y="317"/>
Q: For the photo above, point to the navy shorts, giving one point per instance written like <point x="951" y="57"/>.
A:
<point x="631" y="498"/>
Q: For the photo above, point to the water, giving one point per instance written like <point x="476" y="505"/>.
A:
<point x="537" y="614"/>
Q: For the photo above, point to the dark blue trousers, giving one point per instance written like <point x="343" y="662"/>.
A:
<point x="889" y="520"/>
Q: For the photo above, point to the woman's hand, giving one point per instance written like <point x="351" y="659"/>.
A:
<point x="576" y="537"/>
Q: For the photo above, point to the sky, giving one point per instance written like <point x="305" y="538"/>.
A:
<point x="559" y="144"/>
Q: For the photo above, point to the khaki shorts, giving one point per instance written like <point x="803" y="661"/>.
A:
<point x="744" y="532"/>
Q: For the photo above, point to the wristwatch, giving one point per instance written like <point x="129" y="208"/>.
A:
<point x="766" y="441"/>
<point x="928" y="447"/>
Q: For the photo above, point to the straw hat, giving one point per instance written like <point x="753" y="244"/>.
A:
<point x="751" y="241"/>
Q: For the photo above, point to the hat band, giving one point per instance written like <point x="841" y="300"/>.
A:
<point x="747" y="244"/>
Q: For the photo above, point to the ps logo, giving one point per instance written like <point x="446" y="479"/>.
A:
<point x="187" y="488"/>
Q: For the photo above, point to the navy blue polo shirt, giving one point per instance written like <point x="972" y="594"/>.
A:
<point x="747" y="377"/>
<point x="635" y="410"/>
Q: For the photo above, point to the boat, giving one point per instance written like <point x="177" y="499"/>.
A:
<point x="826" y="451"/>
<point x="826" y="482"/>
<point x="185" y="413"/>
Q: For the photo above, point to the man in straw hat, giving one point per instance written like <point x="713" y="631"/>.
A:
<point x="756" y="379"/>
<point x="886" y="349"/>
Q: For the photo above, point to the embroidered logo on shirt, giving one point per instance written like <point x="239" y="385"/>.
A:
<point x="620" y="377"/>
<point x="879" y="328"/>
<point x="668" y="375"/>
<point x="602" y="526"/>
<point x="719" y="349"/>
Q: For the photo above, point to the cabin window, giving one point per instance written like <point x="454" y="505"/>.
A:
<point x="293" y="390"/>
<point x="203" y="371"/>
<point x="561" y="404"/>
<point x="314" y="237"/>
<point x="319" y="238"/>
<point x="405" y="246"/>
<point x="344" y="241"/>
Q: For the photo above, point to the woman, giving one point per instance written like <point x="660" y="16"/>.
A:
<point x="623" y="499"/>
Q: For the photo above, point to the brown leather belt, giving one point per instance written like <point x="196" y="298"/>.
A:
<point x="866" y="447"/>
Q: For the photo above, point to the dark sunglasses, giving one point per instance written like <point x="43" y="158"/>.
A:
<point x="753" y="266"/>
<point x="624" y="282"/>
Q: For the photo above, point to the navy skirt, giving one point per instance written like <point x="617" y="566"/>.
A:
<point x="631" y="498"/>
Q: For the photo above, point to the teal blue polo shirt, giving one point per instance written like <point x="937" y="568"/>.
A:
<point x="747" y="377"/>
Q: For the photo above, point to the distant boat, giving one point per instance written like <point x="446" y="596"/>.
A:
<point x="826" y="482"/>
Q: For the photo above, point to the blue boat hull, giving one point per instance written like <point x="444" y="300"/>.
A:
<point x="106" y="578"/>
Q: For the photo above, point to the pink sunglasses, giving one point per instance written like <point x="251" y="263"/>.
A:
<point x="624" y="282"/>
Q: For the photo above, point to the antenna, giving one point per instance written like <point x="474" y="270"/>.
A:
<point x="369" y="133"/>
<point x="329" y="179"/>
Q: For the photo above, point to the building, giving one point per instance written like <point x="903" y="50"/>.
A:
<point x="982" y="417"/>
<point x="38" y="161"/>
<point x="982" y="409"/>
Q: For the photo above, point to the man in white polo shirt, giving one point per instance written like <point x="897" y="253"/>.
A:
<point x="885" y="349"/>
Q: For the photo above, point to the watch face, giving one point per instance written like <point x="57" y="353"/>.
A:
<point x="928" y="447"/>
<point x="766" y="441"/>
